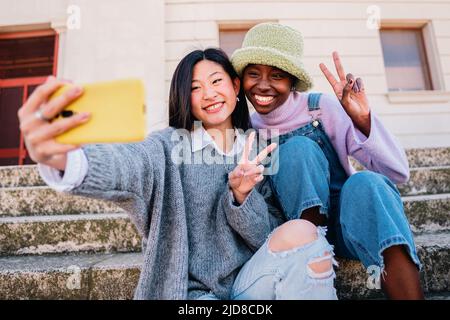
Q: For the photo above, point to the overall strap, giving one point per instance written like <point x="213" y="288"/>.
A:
<point x="313" y="105"/>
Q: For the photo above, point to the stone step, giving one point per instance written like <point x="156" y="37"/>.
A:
<point x="20" y="176"/>
<point x="434" y="253"/>
<point x="23" y="176"/>
<point x="27" y="201"/>
<point x="421" y="158"/>
<point x="115" y="232"/>
<point x="431" y="180"/>
<point x="68" y="233"/>
<point x="428" y="213"/>
<point x="438" y="296"/>
<point x="32" y="201"/>
<point x="86" y="276"/>
<point x="114" y="276"/>
<point x="425" y="212"/>
<point x="428" y="157"/>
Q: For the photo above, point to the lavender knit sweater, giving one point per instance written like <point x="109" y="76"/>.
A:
<point x="380" y="152"/>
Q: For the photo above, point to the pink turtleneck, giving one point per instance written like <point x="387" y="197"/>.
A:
<point x="380" y="152"/>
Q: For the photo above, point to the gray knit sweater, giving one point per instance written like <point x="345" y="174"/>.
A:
<point x="195" y="239"/>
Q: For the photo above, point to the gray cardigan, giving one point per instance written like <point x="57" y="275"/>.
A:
<point x="195" y="239"/>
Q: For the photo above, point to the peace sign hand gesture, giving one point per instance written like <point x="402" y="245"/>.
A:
<point x="351" y="94"/>
<point x="248" y="172"/>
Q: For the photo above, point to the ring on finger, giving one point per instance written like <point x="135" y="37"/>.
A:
<point x="40" y="115"/>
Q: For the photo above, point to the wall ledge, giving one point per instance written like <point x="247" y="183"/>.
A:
<point x="419" y="97"/>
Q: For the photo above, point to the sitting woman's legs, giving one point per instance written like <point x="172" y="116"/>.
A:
<point x="296" y="262"/>
<point x="376" y="230"/>
<point x="297" y="233"/>
<point x="302" y="183"/>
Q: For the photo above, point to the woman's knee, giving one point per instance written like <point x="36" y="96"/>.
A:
<point x="297" y="233"/>
<point x="292" y="234"/>
<point x="363" y="180"/>
<point x="369" y="198"/>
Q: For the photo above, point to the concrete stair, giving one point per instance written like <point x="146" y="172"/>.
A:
<point x="69" y="276"/>
<point x="56" y="246"/>
<point x="68" y="233"/>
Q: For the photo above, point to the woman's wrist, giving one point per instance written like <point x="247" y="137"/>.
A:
<point x="363" y="124"/>
<point x="58" y="162"/>
<point x="239" y="197"/>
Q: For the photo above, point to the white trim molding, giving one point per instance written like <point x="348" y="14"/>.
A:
<point x="419" y="97"/>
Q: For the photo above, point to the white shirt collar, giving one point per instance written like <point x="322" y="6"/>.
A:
<point x="201" y="139"/>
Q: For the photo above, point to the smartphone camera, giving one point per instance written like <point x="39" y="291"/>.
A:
<point x="66" y="113"/>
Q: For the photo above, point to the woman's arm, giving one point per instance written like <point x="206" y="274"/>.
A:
<point x="249" y="219"/>
<point x="246" y="209"/>
<point x="379" y="152"/>
<point x="125" y="174"/>
<point x="256" y="217"/>
<point x="354" y="129"/>
<point x="120" y="172"/>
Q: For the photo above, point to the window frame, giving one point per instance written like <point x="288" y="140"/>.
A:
<point x="224" y="26"/>
<point x="21" y="152"/>
<point x="438" y="91"/>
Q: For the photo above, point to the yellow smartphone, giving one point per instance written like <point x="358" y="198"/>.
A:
<point x="117" y="111"/>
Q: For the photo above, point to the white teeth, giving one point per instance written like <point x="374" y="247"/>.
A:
<point x="215" y="106"/>
<point x="263" y="99"/>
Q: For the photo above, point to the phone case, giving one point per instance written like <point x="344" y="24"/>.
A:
<point x="117" y="111"/>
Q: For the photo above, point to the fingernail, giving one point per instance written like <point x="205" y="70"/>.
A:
<point x="84" y="115"/>
<point x="78" y="90"/>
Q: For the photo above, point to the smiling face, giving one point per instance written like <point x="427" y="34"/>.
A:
<point x="213" y="95"/>
<point x="266" y="87"/>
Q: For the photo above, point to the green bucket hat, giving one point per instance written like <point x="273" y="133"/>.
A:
<point x="275" y="45"/>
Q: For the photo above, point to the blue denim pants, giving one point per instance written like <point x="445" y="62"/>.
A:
<point x="364" y="211"/>
<point x="285" y="275"/>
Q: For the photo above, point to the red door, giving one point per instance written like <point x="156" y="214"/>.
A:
<point x="26" y="59"/>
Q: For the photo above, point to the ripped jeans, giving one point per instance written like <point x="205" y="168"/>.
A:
<point x="286" y="275"/>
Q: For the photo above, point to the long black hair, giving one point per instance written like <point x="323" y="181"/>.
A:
<point x="180" y="109"/>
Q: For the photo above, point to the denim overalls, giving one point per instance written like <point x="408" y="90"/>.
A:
<point x="364" y="212"/>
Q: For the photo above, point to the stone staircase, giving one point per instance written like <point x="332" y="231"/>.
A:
<point x="55" y="246"/>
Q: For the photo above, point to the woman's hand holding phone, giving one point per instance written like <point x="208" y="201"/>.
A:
<point x="39" y="132"/>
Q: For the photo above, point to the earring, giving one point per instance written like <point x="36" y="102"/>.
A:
<point x="237" y="99"/>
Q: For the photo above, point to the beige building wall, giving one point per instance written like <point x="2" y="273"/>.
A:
<point x="115" y="39"/>
<point x="418" y="120"/>
<point x="147" y="38"/>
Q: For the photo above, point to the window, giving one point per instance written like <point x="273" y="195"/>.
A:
<point x="26" y="59"/>
<point x="231" y="40"/>
<point x="405" y="59"/>
<point x="231" y="35"/>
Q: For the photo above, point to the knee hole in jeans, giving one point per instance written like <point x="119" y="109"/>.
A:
<point x="292" y="234"/>
<point x="321" y="267"/>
